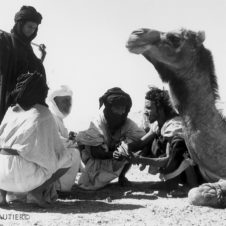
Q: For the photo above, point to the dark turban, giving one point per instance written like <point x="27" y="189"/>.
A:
<point x="115" y="97"/>
<point x="28" y="13"/>
<point x="31" y="89"/>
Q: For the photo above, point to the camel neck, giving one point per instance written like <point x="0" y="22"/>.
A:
<point x="194" y="98"/>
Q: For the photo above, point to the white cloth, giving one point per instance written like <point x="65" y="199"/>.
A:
<point x="65" y="182"/>
<point x="34" y="135"/>
<point x="57" y="114"/>
<point x="170" y="128"/>
<point x="68" y="179"/>
<point x="59" y="92"/>
<point x="99" y="173"/>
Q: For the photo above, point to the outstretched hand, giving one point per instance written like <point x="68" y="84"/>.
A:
<point x="121" y="152"/>
<point x="117" y="155"/>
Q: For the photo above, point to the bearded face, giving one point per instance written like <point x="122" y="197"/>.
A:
<point x="151" y="110"/>
<point x="29" y="28"/>
<point x="115" y="116"/>
<point x="64" y="104"/>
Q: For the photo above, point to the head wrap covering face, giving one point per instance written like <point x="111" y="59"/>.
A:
<point x="31" y="89"/>
<point x="28" y="13"/>
<point x="59" y="92"/>
<point x="115" y="97"/>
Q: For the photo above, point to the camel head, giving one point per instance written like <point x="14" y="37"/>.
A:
<point x="175" y="49"/>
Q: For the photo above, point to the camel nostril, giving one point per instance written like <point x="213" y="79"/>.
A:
<point x="138" y="32"/>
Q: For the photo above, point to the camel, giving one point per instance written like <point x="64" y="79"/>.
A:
<point x="183" y="62"/>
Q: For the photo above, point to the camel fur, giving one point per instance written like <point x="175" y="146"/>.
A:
<point x="187" y="66"/>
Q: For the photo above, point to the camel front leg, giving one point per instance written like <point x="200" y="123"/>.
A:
<point x="209" y="194"/>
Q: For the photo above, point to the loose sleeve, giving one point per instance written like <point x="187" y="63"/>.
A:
<point x="172" y="128"/>
<point x="132" y="132"/>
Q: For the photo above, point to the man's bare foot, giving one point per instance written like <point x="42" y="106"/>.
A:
<point x="37" y="198"/>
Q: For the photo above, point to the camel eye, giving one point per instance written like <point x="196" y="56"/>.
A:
<point x="175" y="40"/>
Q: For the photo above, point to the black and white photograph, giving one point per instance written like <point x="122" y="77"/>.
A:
<point x="112" y="112"/>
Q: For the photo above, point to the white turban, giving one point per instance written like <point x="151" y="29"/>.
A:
<point x="59" y="92"/>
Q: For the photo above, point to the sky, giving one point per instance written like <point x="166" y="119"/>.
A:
<point x="86" y="39"/>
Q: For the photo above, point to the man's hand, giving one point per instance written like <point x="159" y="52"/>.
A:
<point x="117" y="155"/>
<point x="42" y="49"/>
<point x="72" y="136"/>
<point x="121" y="152"/>
<point x="123" y="149"/>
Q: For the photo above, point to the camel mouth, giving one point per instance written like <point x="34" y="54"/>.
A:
<point x="142" y="39"/>
<point x="133" y="46"/>
<point x="137" y="49"/>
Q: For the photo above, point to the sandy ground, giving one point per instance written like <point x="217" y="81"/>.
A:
<point x="145" y="202"/>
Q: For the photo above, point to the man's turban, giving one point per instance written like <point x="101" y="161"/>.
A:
<point x="28" y="13"/>
<point x="116" y="96"/>
<point x="31" y="89"/>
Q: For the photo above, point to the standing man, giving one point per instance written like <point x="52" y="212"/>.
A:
<point x="16" y="54"/>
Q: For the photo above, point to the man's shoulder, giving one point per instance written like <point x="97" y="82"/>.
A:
<point x="40" y="113"/>
<point x="172" y="127"/>
<point x="5" y="37"/>
<point x="132" y="125"/>
<point x="177" y="120"/>
<point x="4" y="34"/>
<point x="130" y="122"/>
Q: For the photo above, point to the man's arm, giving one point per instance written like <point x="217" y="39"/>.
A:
<point x="157" y="162"/>
<point x="98" y="152"/>
<point x="140" y="144"/>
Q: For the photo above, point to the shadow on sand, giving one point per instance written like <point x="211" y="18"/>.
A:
<point x="147" y="190"/>
<point x="73" y="206"/>
<point x="102" y="200"/>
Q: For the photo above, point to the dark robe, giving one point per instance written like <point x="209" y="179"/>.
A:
<point x="16" y="58"/>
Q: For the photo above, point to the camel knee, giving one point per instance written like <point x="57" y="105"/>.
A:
<point x="209" y="194"/>
<point x="195" y="197"/>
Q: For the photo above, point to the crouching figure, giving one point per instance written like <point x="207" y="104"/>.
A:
<point x="163" y="147"/>
<point x="104" y="141"/>
<point x="32" y="155"/>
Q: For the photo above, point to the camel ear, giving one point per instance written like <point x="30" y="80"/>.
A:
<point x="200" y="37"/>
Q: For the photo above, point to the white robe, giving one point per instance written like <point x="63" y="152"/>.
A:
<point x="34" y="135"/>
<point x="98" y="172"/>
<point x="65" y="182"/>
